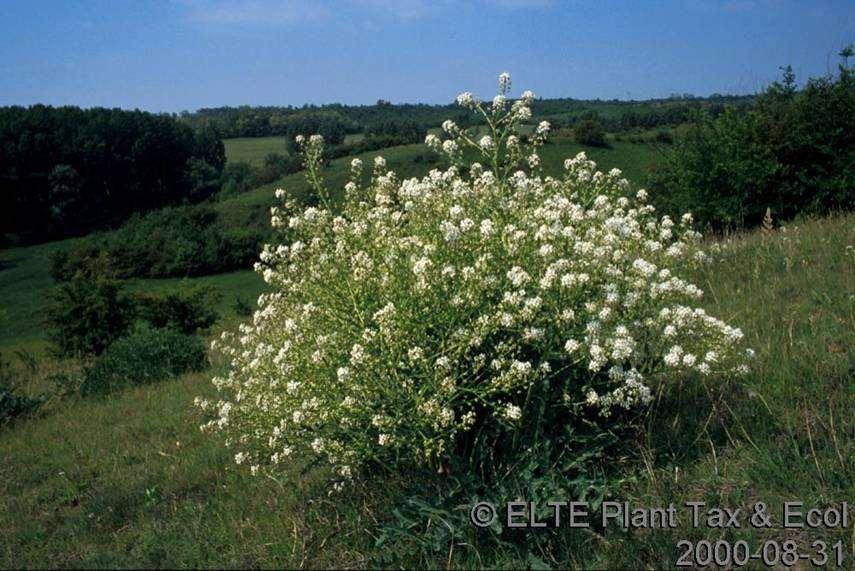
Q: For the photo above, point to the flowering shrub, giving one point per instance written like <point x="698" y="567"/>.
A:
<point x="465" y="316"/>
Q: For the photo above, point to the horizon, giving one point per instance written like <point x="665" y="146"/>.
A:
<point x="187" y="55"/>
<point x="309" y="105"/>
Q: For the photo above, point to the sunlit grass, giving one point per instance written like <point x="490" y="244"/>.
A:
<point x="252" y="150"/>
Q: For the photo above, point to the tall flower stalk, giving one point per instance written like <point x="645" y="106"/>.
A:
<point x="504" y="148"/>
<point x="312" y="152"/>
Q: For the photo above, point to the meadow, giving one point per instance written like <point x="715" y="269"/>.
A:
<point x="252" y="150"/>
<point x="129" y="480"/>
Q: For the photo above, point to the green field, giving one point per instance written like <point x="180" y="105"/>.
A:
<point x="253" y="149"/>
<point x="130" y="481"/>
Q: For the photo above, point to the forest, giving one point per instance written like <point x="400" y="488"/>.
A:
<point x="65" y="171"/>
<point x="615" y="115"/>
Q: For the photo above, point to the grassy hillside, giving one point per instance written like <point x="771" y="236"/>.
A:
<point x="25" y="283"/>
<point x="253" y="149"/>
<point x="25" y="280"/>
<point x="130" y="481"/>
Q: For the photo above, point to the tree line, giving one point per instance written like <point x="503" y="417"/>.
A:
<point x="621" y="116"/>
<point x="65" y="171"/>
<point x="329" y="120"/>
<point x="404" y="121"/>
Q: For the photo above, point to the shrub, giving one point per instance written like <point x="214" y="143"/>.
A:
<point x="468" y="320"/>
<point x="236" y="179"/>
<point x="86" y="314"/>
<point x="84" y="256"/>
<point x="664" y="137"/>
<point x="188" y="309"/>
<point x="241" y="307"/>
<point x="146" y="356"/>
<point x="12" y="404"/>
<point x="239" y="248"/>
<point x="183" y="241"/>
<point x="173" y="242"/>
<point x="590" y="132"/>
<point x="793" y="153"/>
<point x="275" y="166"/>
<point x="203" y="179"/>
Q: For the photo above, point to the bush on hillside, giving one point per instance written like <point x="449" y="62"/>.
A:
<point x="590" y="132"/>
<point x="184" y="241"/>
<point x="239" y="248"/>
<point x="187" y="309"/>
<point x="664" y="137"/>
<point x="87" y="313"/>
<point x="241" y="307"/>
<point x="147" y="356"/>
<point x="13" y="404"/>
<point x="203" y="180"/>
<point x="481" y="318"/>
<point x="65" y="171"/>
<point x="237" y="178"/>
<point x="718" y="170"/>
<point x="85" y="257"/>
<point x="794" y="153"/>
<point x="276" y="166"/>
<point x="173" y="242"/>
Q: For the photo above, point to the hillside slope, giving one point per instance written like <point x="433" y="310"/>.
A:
<point x="24" y="272"/>
<point x="130" y="480"/>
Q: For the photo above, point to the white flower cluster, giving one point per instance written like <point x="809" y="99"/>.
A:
<point x="429" y="309"/>
<point x="503" y="149"/>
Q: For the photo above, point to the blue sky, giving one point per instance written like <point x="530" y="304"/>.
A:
<point x="170" y="55"/>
